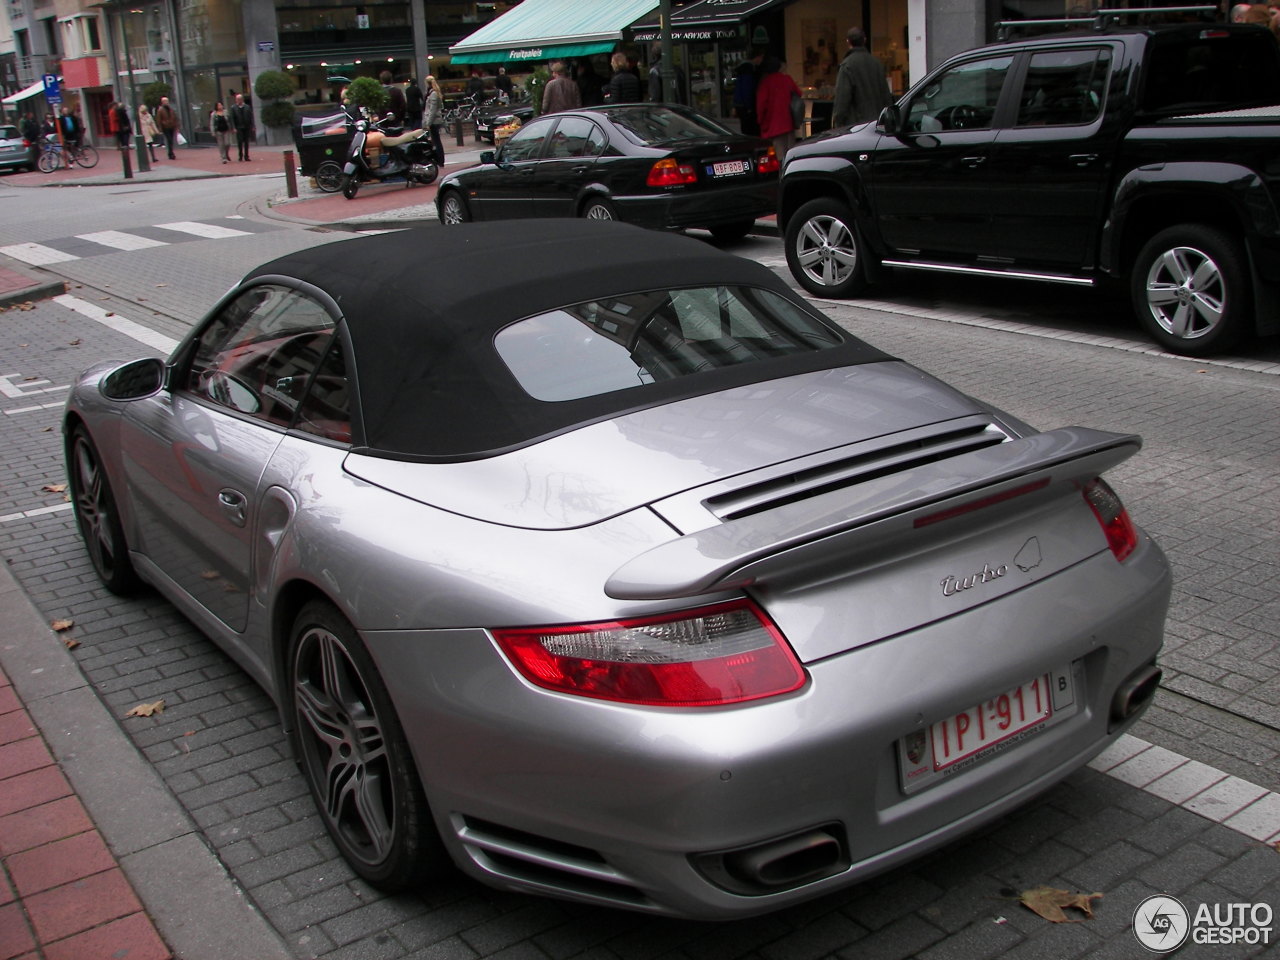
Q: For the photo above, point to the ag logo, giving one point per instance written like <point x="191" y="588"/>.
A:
<point x="1161" y="924"/>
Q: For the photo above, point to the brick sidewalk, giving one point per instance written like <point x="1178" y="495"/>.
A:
<point x="63" y="896"/>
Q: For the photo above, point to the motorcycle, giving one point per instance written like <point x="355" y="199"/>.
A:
<point x="409" y="155"/>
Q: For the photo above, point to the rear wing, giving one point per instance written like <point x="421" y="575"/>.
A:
<point x="798" y="538"/>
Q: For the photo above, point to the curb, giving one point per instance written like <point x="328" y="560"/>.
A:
<point x="183" y="886"/>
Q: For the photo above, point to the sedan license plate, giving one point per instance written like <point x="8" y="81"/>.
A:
<point x="729" y="168"/>
<point x="956" y="743"/>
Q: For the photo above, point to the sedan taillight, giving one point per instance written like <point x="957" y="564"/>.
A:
<point x="728" y="653"/>
<point x="1122" y="535"/>
<point x="767" y="162"/>
<point x="669" y="172"/>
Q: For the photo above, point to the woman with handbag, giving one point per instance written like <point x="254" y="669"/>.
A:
<point x="220" y="124"/>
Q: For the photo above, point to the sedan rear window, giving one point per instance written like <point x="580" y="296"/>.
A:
<point x="661" y="124"/>
<point x="642" y="338"/>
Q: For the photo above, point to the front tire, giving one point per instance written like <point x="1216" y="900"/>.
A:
<point x="97" y="518"/>
<point x="355" y="757"/>
<point x="453" y="209"/>
<point x="599" y="209"/>
<point x="48" y="162"/>
<point x="329" y="176"/>
<point x="824" y="252"/>
<point x="351" y="186"/>
<point x="1190" y="289"/>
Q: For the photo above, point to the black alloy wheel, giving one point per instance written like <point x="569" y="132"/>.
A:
<point x="97" y="518"/>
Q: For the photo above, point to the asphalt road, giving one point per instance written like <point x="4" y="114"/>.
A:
<point x="1204" y="486"/>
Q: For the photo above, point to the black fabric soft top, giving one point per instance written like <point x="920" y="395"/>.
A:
<point x="421" y="308"/>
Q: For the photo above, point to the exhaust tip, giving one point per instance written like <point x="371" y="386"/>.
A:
<point x="1135" y="694"/>
<point x="778" y="864"/>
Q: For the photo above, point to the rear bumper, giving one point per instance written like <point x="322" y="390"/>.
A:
<point x="709" y="208"/>
<point x="615" y="804"/>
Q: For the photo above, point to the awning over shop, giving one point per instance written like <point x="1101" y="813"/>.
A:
<point x="31" y="91"/>
<point x="704" y="20"/>
<point x="551" y="29"/>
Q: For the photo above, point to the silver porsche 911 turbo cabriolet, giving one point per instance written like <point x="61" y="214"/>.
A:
<point x="619" y="574"/>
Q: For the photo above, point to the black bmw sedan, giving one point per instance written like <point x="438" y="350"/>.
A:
<point x="656" y="165"/>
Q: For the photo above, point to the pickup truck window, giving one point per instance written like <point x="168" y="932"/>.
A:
<point x="963" y="98"/>
<point x="1064" y="87"/>
<point x="1216" y="71"/>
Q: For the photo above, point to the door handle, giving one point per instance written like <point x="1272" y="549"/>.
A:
<point x="581" y="168"/>
<point x="233" y="504"/>
<point x="972" y="162"/>
<point x="1083" y="159"/>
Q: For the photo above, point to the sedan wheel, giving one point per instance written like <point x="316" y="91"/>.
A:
<point x="355" y="756"/>
<point x="1190" y="290"/>
<point x="823" y="249"/>
<point x="599" y="210"/>
<point x="97" y="517"/>
<point x="453" y="209"/>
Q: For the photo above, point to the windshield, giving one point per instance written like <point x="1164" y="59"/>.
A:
<point x="660" y="124"/>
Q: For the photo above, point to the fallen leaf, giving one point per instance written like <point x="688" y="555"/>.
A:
<point x="110" y="313"/>
<point x="209" y="574"/>
<point x="70" y="642"/>
<point x="161" y="284"/>
<point x="1049" y="903"/>
<point x="146" y="709"/>
<point x="54" y="488"/>
<point x="74" y="343"/>
<point x="62" y="625"/>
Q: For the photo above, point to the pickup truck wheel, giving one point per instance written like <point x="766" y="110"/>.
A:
<point x="1190" y="289"/>
<point x="824" y="251"/>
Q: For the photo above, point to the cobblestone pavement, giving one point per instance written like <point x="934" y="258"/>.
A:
<point x="1129" y="832"/>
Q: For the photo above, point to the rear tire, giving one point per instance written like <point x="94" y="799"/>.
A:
<point x="350" y="187"/>
<point x="824" y="252"/>
<point x="329" y="176"/>
<point x="599" y="209"/>
<point x="354" y="755"/>
<point x="1191" y="291"/>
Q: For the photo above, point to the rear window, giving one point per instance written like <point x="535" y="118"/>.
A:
<point x="653" y="125"/>
<point x="643" y="338"/>
<point x="1214" y="71"/>
<point x="9" y="133"/>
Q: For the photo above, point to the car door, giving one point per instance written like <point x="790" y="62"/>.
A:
<point x="506" y="190"/>
<point x="1054" y="161"/>
<point x="195" y="457"/>
<point x="567" y="166"/>
<point x="930" y="187"/>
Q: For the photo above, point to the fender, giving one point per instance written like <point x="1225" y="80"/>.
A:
<point x="807" y="177"/>
<point x="1235" y="189"/>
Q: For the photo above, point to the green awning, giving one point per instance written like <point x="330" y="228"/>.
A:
<point x="551" y="29"/>
<point x="552" y="51"/>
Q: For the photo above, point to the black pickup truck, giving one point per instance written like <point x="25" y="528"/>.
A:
<point x="1149" y="155"/>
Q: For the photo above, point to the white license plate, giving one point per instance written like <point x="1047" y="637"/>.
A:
<point x="952" y="745"/>
<point x="729" y="168"/>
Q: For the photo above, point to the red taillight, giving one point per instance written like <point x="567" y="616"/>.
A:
<point x="669" y="172"/>
<point x="767" y="162"/>
<point x="708" y="657"/>
<point x="1122" y="536"/>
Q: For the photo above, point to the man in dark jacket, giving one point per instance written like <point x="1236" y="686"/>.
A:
<point x="167" y="121"/>
<point x="242" y="124"/>
<point x="861" y="89"/>
<point x="396" y="105"/>
<point x="415" y="104"/>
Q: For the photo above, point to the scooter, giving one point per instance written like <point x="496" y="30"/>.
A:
<point x="408" y="155"/>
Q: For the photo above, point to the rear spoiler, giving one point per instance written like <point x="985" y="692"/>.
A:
<point x="851" y="520"/>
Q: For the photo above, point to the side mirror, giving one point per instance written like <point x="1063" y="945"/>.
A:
<point x="489" y="156"/>
<point x="890" y="121"/>
<point x="135" y="380"/>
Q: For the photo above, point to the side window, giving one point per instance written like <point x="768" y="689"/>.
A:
<point x="573" y="137"/>
<point x="1064" y="87"/>
<point x="526" y="143"/>
<point x="326" y="409"/>
<point x="257" y="356"/>
<point x="963" y="98"/>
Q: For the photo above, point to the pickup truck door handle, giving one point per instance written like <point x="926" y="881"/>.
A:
<point x="972" y="162"/>
<point x="1083" y="159"/>
<point x="233" y="504"/>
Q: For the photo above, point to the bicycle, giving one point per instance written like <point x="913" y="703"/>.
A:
<point x="53" y="156"/>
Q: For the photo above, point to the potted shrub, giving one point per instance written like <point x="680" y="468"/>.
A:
<point x="368" y="93"/>
<point x="274" y="90"/>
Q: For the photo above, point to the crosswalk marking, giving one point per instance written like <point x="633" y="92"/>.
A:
<point x="36" y="254"/>
<point x="207" y="230"/>
<point x="121" y="240"/>
<point x="152" y="338"/>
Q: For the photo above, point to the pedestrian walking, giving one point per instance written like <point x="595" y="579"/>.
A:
<point x="220" y="124"/>
<point x="118" y="121"/>
<point x="415" y="104"/>
<point x="242" y="124"/>
<point x="150" y="132"/>
<point x="773" y="106"/>
<point x="745" y="81"/>
<point x="167" y="121"/>
<point x="561" y="93"/>
<point x="396" y="103"/>
<point x="434" y="110"/>
<point x="861" y="88"/>
<point x="624" y="85"/>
